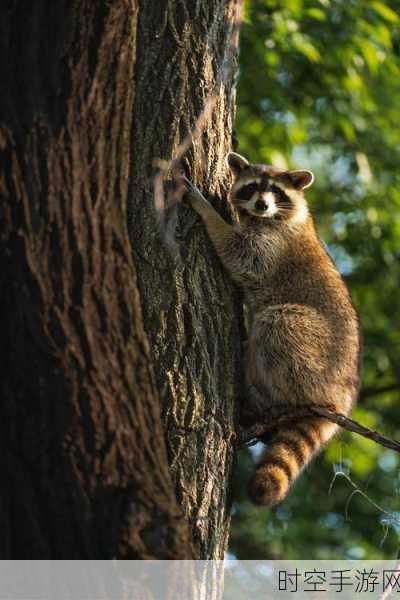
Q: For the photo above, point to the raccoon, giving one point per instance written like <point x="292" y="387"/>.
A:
<point x="303" y="345"/>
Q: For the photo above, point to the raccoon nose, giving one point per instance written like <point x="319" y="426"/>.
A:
<point x="261" y="205"/>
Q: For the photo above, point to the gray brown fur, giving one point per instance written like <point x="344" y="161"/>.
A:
<point x="304" y="342"/>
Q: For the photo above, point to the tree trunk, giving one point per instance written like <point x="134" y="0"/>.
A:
<point x="91" y="94"/>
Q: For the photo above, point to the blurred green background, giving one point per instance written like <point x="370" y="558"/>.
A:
<point x="319" y="88"/>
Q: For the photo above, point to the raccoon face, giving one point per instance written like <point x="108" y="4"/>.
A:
<point x="266" y="192"/>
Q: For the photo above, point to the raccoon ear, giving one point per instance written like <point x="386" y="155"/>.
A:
<point x="236" y="162"/>
<point x="301" y="179"/>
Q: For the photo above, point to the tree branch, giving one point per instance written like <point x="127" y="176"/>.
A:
<point x="260" y="429"/>
<point x="369" y="392"/>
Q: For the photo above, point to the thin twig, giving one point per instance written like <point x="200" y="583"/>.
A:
<point x="351" y="425"/>
<point x="390" y="588"/>
<point x="260" y="429"/>
<point x="391" y="518"/>
<point x="357" y="490"/>
<point x="369" y="392"/>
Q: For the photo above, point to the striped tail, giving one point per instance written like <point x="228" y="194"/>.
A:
<point x="287" y="454"/>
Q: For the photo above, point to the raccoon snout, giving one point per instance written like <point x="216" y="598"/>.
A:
<point x="261" y="205"/>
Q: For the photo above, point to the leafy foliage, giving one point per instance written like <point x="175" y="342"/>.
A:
<point x="320" y="89"/>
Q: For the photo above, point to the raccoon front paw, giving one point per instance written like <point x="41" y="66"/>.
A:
<point x="195" y="197"/>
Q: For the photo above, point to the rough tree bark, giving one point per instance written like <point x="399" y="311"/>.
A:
<point x="189" y="305"/>
<point x="91" y="94"/>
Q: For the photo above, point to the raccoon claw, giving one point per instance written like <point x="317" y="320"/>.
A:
<point x="189" y="185"/>
<point x="196" y="198"/>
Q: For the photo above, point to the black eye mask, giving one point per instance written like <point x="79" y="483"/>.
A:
<point x="246" y="192"/>
<point x="281" y="197"/>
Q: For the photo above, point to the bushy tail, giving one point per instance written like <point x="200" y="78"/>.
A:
<point x="288" y="452"/>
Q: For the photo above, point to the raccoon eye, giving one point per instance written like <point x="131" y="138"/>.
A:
<point x="246" y="192"/>
<point x="280" y="195"/>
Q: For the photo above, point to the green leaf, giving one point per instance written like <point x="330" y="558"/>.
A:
<point x="385" y="11"/>
<point x="316" y="13"/>
<point x="369" y="52"/>
<point x="303" y="45"/>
